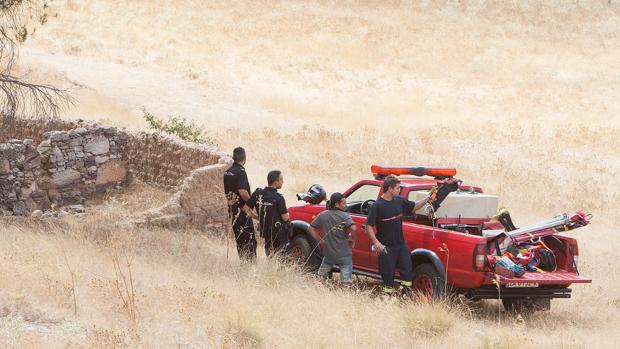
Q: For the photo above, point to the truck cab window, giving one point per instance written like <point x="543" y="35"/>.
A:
<point x="360" y="200"/>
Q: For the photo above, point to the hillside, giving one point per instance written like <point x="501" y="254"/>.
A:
<point x="521" y="98"/>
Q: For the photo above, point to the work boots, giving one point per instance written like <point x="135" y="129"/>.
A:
<point x="406" y="292"/>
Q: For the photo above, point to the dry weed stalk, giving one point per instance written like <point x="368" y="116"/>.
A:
<point x="229" y="229"/>
<point x="124" y="280"/>
<point x="72" y="273"/>
<point x="496" y="281"/>
<point x="444" y="248"/>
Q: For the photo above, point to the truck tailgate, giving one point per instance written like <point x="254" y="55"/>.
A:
<point x="549" y="278"/>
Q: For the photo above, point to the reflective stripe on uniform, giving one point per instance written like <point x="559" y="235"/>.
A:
<point x="391" y="218"/>
<point x="407" y="283"/>
<point x="388" y="290"/>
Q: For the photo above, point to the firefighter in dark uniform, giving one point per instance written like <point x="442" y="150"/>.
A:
<point x="386" y="216"/>
<point x="274" y="222"/>
<point x="237" y="189"/>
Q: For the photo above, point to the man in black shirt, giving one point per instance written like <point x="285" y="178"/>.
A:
<point x="386" y="215"/>
<point x="237" y="189"/>
<point x="273" y="216"/>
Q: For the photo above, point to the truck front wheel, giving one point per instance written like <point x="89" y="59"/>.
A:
<point x="427" y="281"/>
<point x="303" y="253"/>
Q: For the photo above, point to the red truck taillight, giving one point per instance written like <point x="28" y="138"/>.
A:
<point x="480" y="257"/>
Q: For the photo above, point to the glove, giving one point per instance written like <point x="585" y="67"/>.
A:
<point x="432" y="195"/>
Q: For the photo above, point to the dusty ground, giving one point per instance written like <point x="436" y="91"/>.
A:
<point x="522" y="99"/>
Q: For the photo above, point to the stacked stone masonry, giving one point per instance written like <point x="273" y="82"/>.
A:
<point x="195" y="169"/>
<point x="19" y="169"/>
<point x="167" y="161"/>
<point x="71" y="164"/>
<point x="82" y="161"/>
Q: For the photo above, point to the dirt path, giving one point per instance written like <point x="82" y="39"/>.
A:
<point x="117" y="92"/>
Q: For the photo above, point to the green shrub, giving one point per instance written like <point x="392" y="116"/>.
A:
<point x="178" y="126"/>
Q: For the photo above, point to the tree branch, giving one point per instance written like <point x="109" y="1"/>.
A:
<point x="16" y="95"/>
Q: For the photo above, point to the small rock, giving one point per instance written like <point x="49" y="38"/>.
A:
<point x="37" y="213"/>
<point x="27" y="142"/>
<point x="54" y="136"/>
<point x="75" y="208"/>
<point x="101" y="159"/>
<point x="97" y="146"/>
<point x="5" y="166"/>
<point x="44" y="146"/>
<point x="48" y="214"/>
<point x="21" y="209"/>
<point x="65" y="178"/>
<point x="57" y="153"/>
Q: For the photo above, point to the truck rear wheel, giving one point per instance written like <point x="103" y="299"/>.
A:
<point x="427" y="281"/>
<point x="301" y="250"/>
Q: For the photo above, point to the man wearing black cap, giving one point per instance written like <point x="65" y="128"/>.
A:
<point x="237" y="190"/>
<point x="338" y="238"/>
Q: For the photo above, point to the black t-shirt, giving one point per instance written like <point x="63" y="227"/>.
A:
<point x="387" y="217"/>
<point x="235" y="178"/>
<point x="270" y="206"/>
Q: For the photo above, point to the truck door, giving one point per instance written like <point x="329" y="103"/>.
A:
<point x="359" y="200"/>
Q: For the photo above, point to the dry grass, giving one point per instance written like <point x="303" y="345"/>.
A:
<point x="520" y="97"/>
<point x="186" y="294"/>
<point x="563" y="176"/>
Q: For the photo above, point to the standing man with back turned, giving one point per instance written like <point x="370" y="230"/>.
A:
<point x="237" y="189"/>
<point x="274" y="222"/>
<point x="386" y="215"/>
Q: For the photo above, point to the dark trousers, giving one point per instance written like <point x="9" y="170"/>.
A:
<point x="245" y="238"/>
<point x="276" y="241"/>
<point x="397" y="257"/>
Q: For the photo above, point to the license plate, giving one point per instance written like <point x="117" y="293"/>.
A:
<point x="522" y="284"/>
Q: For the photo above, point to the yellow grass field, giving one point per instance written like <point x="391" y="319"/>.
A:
<point x="520" y="97"/>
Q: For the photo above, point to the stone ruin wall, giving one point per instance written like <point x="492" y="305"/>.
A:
<point x="156" y="158"/>
<point x="196" y="170"/>
<point x="80" y="162"/>
<point x="64" y="169"/>
<point x="19" y="169"/>
<point x="70" y="165"/>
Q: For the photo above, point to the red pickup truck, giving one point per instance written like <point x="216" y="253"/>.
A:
<point x="455" y="243"/>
